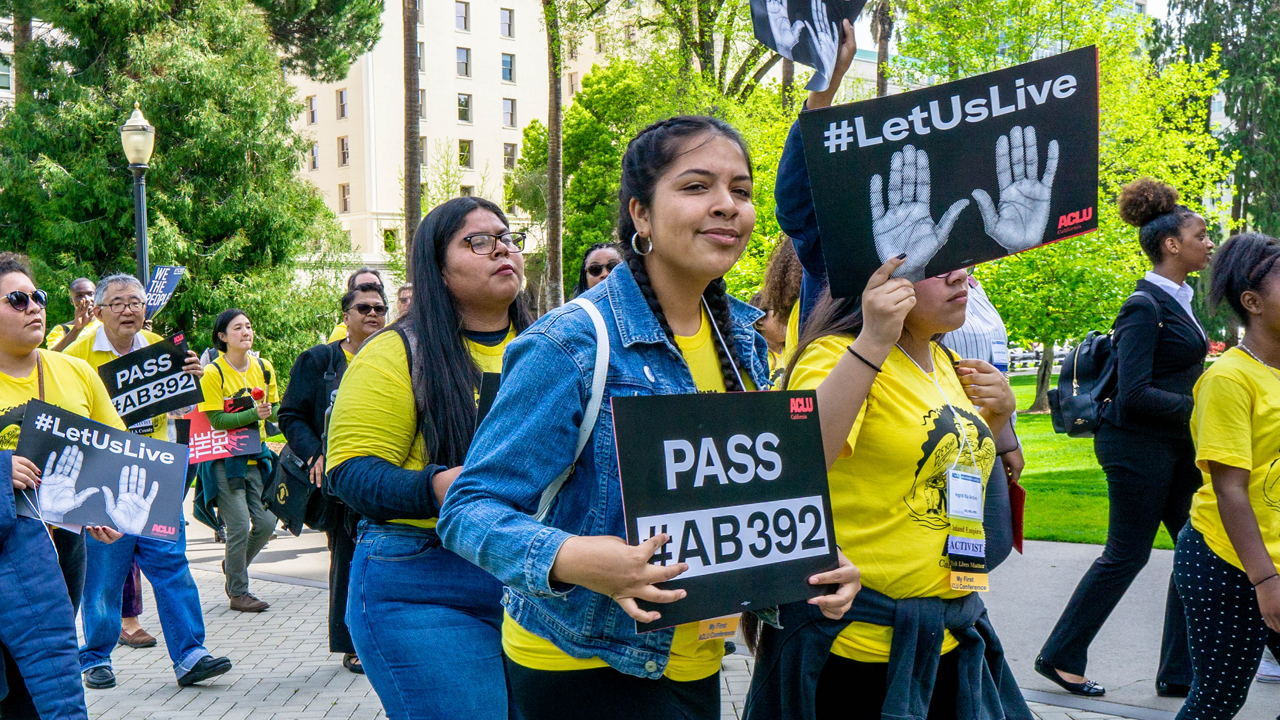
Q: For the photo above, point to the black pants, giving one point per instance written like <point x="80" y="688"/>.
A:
<point x="606" y="694"/>
<point x="342" y="547"/>
<point x="997" y="517"/>
<point x="852" y="690"/>
<point x="17" y="705"/>
<point x="1227" y="630"/>
<point x="1150" y="480"/>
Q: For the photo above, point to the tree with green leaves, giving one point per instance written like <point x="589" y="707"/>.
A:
<point x="224" y="198"/>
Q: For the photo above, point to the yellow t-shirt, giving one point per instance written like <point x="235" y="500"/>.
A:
<point x="83" y="348"/>
<point x="339" y="333"/>
<point x="375" y="415"/>
<point x="1236" y="422"/>
<point x="60" y="331"/>
<point x="691" y="658"/>
<point x="888" y="488"/>
<point x="69" y="383"/>
<point x="223" y="382"/>
<point x="793" y="334"/>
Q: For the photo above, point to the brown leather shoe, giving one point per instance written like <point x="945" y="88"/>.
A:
<point x="248" y="603"/>
<point x="138" y="639"/>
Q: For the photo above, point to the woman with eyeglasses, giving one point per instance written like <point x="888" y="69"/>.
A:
<point x="599" y="260"/>
<point x="37" y="621"/>
<point x="426" y="623"/>
<point x="314" y="378"/>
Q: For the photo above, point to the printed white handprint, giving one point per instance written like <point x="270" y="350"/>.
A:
<point x="785" y="33"/>
<point x="1024" y="197"/>
<point x="57" y="493"/>
<point x="130" y="513"/>
<point x="906" y="224"/>
<point x="826" y="41"/>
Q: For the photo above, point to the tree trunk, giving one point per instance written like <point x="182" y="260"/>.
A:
<point x="555" y="158"/>
<point x="884" y="19"/>
<point x="21" y="39"/>
<point x="412" y="120"/>
<point x="1043" y="375"/>
<point x="788" y="81"/>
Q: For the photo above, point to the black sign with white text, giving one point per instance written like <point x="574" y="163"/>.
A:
<point x="94" y="474"/>
<point x="150" y="381"/>
<point x="739" y="482"/>
<point x="957" y="174"/>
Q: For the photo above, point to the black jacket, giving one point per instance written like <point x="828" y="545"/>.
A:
<point x="307" y="397"/>
<point x="1156" y="366"/>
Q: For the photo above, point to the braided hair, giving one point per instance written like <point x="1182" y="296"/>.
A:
<point x="1242" y="264"/>
<point x="648" y="156"/>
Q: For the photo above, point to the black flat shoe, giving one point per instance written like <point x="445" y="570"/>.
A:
<point x="1088" y="688"/>
<point x="207" y="668"/>
<point x="1164" y="689"/>
<point x="99" y="678"/>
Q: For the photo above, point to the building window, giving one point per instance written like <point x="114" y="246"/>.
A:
<point x="464" y="108"/>
<point x="421" y="51"/>
<point x="342" y="104"/>
<point x="422" y="19"/>
<point x="6" y="72"/>
<point x="507" y="22"/>
<point x="466" y="191"/>
<point x="344" y="152"/>
<point x="344" y="198"/>
<point x="464" y="62"/>
<point x="508" y="112"/>
<point x="422" y="149"/>
<point x="573" y="84"/>
<point x="508" y="67"/>
<point x="573" y="49"/>
<point x="315" y="156"/>
<point x="509" y="156"/>
<point x="464" y="153"/>
<point x="599" y="42"/>
<point x="462" y="15"/>
<point x="390" y="241"/>
<point x="422" y="103"/>
<point x="313" y="111"/>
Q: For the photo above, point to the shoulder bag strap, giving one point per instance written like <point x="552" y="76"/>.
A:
<point x="1155" y="303"/>
<point x="592" y="411"/>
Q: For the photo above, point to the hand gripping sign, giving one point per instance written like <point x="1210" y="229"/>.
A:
<point x="739" y="482"/>
<point x="956" y="174"/>
<point x="97" y="475"/>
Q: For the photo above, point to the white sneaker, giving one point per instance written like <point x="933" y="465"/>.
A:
<point x="1269" y="670"/>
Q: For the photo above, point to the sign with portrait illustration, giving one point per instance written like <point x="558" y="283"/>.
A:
<point x="805" y="31"/>
<point x="738" y="481"/>
<point x="957" y="174"/>
<point x="150" y="381"/>
<point x="208" y="444"/>
<point x="94" y="474"/>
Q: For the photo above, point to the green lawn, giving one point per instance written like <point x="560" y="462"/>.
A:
<point x="1066" y="489"/>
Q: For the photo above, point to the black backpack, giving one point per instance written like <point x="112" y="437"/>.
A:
<point x="1087" y="382"/>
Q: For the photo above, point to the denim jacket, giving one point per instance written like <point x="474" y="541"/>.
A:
<point x="528" y="439"/>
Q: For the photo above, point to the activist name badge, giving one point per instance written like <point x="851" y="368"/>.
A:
<point x="739" y="483"/>
<point x="964" y="493"/>
<point x="94" y="474"/>
<point x="1000" y="355"/>
<point x="150" y="381"/>
<point x="968" y="559"/>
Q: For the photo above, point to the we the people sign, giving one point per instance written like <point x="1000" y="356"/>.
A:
<point x="956" y="174"/>
<point x="94" y="474"/>
<point x="208" y="444"/>
<point x="739" y="483"/>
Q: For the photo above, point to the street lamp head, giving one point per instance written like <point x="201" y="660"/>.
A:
<point x="138" y="138"/>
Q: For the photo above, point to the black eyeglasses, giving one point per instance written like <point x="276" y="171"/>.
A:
<point x="366" y="308"/>
<point x="484" y="243"/>
<point x="596" y="269"/>
<point x="20" y="300"/>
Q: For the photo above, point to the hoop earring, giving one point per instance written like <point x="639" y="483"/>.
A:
<point x="636" y="248"/>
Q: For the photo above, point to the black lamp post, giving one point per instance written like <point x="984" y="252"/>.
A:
<point x="138" y="138"/>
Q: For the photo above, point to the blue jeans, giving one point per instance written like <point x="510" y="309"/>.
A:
<point x="427" y="626"/>
<point x="165" y="565"/>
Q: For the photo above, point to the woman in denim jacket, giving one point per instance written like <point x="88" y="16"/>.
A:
<point x="572" y="651"/>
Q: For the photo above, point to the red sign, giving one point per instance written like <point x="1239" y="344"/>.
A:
<point x="208" y="444"/>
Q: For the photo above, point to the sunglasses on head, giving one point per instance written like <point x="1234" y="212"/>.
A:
<point x="366" y="308"/>
<point x="595" y="269"/>
<point x="20" y="300"/>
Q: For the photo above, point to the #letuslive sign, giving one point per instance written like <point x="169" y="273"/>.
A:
<point x="94" y="474"/>
<point x="957" y="174"/>
<point x="150" y="381"/>
<point x="738" y="481"/>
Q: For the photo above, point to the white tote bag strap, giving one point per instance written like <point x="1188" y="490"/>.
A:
<point x="593" y="406"/>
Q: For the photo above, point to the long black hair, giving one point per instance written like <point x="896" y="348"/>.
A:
<point x="1242" y="264"/>
<point x="648" y="156"/>
<point x="445" y="376"/>
<point x="581" y="287"/>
